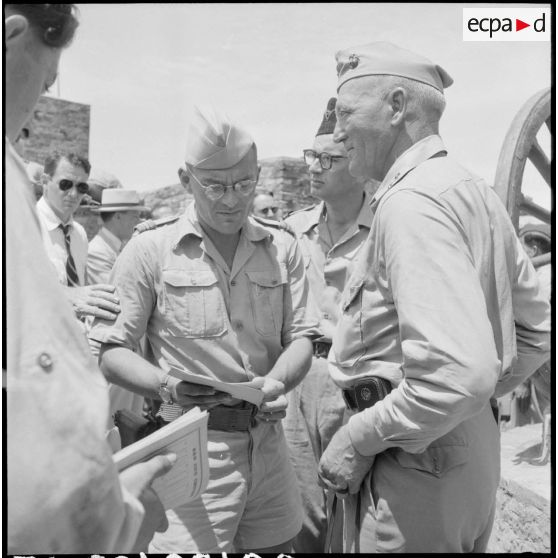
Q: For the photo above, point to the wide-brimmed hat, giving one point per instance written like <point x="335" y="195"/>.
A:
<point x="120" y="199"/>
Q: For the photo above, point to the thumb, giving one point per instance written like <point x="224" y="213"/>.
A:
<point x="138" y="477"/>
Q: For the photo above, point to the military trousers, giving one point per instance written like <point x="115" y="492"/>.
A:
<point x="441" y="500"/>
<point x="314" y="413"/>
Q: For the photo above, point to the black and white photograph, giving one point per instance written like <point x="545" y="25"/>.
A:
<point x="277" y="278"/>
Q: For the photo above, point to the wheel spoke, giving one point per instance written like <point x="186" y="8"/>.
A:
<point x="535" y="210"/>
<point x="538" y="157"/>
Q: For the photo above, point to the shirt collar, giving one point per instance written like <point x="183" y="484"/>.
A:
<point x="365" y="216"/>
<point x="408" y="160"/>
<point x="314" y="216"/>
<point x="189" y="224"/>
<point x="51" y="220"/>
<point x="111" y="239"/>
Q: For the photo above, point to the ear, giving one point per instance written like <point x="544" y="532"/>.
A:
<point x="15" y="27"/>
<point x="184" y="178"/>
<point x="398" y="102"/>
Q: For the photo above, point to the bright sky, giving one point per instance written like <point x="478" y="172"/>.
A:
<point x="142" y="67"/>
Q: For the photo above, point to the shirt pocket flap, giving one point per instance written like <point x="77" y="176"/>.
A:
<point x="181" y="278"/>
<point x="268" y="278"/>
<point x="436" y="460"/>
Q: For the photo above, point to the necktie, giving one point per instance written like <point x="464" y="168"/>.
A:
<point x="71" y="273"/>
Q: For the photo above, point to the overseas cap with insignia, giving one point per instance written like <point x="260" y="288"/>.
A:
<point x="214" y="142"/>
<point x="388" y="59"/>
<point x="329" y="120"/>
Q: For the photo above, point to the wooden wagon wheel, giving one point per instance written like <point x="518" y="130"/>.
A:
<point x="519" y="146"/>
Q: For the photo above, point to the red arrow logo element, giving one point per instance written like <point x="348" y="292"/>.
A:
<point x="519" y="25"/>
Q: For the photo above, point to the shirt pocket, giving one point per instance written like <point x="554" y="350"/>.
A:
<point x="266" y="299"/>
<point x="194" y="305"/>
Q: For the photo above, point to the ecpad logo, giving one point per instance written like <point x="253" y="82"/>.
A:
<point x="506" y="24"/>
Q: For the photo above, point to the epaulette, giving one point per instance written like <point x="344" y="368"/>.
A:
<point x="296" y="211"/>
<point x="150" y="224"/>
<point x="275" y="224"/>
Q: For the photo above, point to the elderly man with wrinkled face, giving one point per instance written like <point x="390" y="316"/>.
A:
<point x="224" y="296"/>
<point x="443" y="306"/>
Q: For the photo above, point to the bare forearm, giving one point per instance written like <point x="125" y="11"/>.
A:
<point x="123" y="367"/>
<point x="293" y="363"/>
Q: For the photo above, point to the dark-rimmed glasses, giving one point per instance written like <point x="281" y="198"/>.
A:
<point x="81" y="187"/>
<point x="216" y="190"/>
<point x="326" y="159"/>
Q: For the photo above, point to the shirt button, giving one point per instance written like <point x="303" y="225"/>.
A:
<point x="45" y="362"/>
<point x="233" y="283"/>
<point x="238" y="326"/>
<point x="194" y="282"/>
<point x="325" y="316"/>
<point x="274" y="281"/>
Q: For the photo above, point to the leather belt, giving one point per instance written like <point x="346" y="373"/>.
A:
<point x="232" y="419"/>
<point x="320" y="349"/>
<point x="366" y="393"/>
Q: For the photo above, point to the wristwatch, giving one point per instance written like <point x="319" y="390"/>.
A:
<point x="165" y="392"/>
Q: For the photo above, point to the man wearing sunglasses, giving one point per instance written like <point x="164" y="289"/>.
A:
<point x="267" y="207"/>
<point x="64" y="186"/>
<point x="330" y="235"/>
<point x="219" y="294"/>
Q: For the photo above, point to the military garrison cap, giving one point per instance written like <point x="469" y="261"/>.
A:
<point x="384" y="58"/>
<point x="214" y="142"/>
<point x="329" y="119"/>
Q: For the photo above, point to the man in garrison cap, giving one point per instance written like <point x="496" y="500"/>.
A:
<point x="223" y="295"/>
<point x="443" y="306"/>
<point x="330" y="235"/>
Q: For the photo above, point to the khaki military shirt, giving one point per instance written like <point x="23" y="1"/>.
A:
<point x="443" y="301"/>
<point x="328" y="265"/>
<point x="228" y="324"/>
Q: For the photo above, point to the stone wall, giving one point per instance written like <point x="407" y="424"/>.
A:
<point x="56" y="124"/>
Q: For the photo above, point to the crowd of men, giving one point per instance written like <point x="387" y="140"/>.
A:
<point x="380" y="325"/>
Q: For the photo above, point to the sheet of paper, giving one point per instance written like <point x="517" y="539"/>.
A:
<point x="239" y="390"/>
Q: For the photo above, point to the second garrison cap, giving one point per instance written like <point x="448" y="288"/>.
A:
<point x="329" y="119"/>
<point x="214" y="142"/>
<point x="383" y="58"/>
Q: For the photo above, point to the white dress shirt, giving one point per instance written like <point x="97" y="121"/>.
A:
<point x="55" y="245"/>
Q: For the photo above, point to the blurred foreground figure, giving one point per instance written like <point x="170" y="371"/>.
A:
<point x="443" y="304"/>
<point x="64" y="493"/>
<point x="221" y="295"/>
<point x="330" y="235"/>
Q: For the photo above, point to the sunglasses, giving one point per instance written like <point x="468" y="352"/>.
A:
<point x="81" y="187"/>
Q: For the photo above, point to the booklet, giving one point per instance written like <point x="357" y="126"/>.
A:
<point x="240" y="390"/>
<point x="187" y="438"/>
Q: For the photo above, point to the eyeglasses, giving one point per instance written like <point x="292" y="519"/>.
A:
<point x="273" y="209"/>
<point x="326" y="159"/>
<point x="216" y="191"/>
<point x="81" y="187"/>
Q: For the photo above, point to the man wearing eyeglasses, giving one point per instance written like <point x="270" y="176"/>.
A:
<point x="64" y="185"/>
<point x="223" y="296"/>
<point x="330" y="235"/>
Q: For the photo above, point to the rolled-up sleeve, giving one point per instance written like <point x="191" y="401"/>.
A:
<point x="450" y="363"/>
<point x="133" y="277"/>
<point x="299" y="315"/>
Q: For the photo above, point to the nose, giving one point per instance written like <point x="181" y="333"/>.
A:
<point x="339" y="134"/>
<point x="73" y="193"/>
<point x="315" y="167"/>
<point x="229" y="198"/>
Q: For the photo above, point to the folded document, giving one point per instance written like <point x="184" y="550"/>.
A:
<point x="187" y="438"/>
